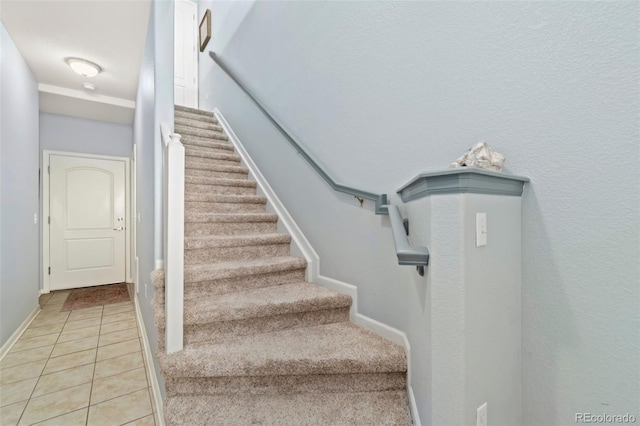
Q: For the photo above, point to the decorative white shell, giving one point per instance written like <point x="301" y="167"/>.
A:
<point x="481" y="155"/>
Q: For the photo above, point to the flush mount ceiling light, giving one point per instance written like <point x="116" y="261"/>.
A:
<point x="83" y="67"/>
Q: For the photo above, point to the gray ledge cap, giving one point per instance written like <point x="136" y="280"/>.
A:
<point x="462" y="180"/>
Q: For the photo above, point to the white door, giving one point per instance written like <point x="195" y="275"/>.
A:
<point x="185" y="68"/>
<point x="87" y="231"/>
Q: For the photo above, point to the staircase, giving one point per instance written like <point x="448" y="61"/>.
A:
<point x="261" y="345"/>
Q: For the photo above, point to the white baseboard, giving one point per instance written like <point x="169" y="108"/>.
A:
<point x="4" y="350"/>
<point x="298" y="238"/>
<point x="151" y="371"/>
<point x="313" y="261"/>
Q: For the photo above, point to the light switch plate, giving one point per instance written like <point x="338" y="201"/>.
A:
<point x="481" y="229"/>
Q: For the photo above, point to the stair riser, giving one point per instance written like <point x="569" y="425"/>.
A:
<point x="198" y="229"/>
<point x="206" y="163"/>
<point x="191" y="188"/>
<point x="214" y="150"/>
<point x="209" y="207"/>
<point x="195" y="117"/>
<point x="199" y="143"/>
<point x="201" y="133"/>
<point x="215" y="174"/>
<point x="233" y="285"/>
<point x="373" y="382"/>
<point x="197" y="124"/>
<point x="199" y="155"/>
<point x="179" y="110"/>
<point x="230" y="329"/>
<point x="229" y="254"/>
<point x="220" y="331"/>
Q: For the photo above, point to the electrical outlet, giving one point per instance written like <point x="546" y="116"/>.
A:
<point x="481" y="415"/>
<point x="481" y="229"/>
<point x="35" y="218"/>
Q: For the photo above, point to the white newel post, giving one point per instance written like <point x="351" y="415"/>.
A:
<point x="174" y="243"/>
<point x="473" y="291"/>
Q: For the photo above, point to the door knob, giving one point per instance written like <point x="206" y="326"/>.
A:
<point x="119" y="228"/>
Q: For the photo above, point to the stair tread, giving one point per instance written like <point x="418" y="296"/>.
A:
<point x="263" y="302"/>
<point x="225" y="198"/>
<point x="235" y="240"/>
<point x="215" y="167"/>
<point x="223" y="270"/>
<point x="339" y="408"/>
<point x="202" y="180"/>
<point x="338" y="348"/>
<point x="190" y="141"/>
<point x="195" y="153"/>
<point x="230" y="217"/>
<point x="192" y="110"/>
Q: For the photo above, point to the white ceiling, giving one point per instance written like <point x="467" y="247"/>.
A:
<point x="110" y="33"/>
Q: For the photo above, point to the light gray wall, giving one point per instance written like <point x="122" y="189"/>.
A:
<point x="73" y="134"/>
<point x="382" y="91"/>
<point x="19" y="248"/>
<point x="154" y="104"/>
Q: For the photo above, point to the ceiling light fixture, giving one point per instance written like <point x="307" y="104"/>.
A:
<point x="89" y="86"/>
<point x="83" y="67"/>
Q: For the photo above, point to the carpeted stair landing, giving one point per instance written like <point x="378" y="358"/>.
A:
<point x="262" y="346"/>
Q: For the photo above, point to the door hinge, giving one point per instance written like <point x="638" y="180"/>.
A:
<point x="49" y="220"/>
<point x="49" y="270"/>
<point x="49" y="169"/>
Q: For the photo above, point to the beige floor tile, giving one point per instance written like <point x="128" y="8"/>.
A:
<point x="53" y="307"/>
<point x="41" y="331"/>
<point x="117" y="385"/>
<point x="74" y="418"/>
<point x="65" y="362"/>
<point x="55" y="404"/>
<point x="22" y="372"/>
<point x="83" y="323"/>
<point x="81" y="314"/>
<point x="122" y="316"/>
<point x="18" y="391"/>
<point x="22" y="357"/>
<point x="80" y="333"/>
<point x="117" y="326"/>
<point x="121" y="410"/>
<point x="118" y="365"/>
<point x="46" y="318"/>
<point x="64" y="379"/>
<point x="34" y="342"/>
<point x="75" y="346"/>
<point x="111" y="351"/>
<point x="145" y="421"/>
<point x="58" y="298"/>
<point x="10" y="414"/>
<point x="118" y="336"/>
<point x="117" y="308"/>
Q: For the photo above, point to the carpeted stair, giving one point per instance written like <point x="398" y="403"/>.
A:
<point x="262" y="346"/>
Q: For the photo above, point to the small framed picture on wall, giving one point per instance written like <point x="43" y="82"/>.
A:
<point x="205" y="30"/>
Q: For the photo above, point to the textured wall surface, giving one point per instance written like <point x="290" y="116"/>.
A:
<point x="19" y="246"/>
<point x="380" y="92"/>
<point x="73" y="134"/>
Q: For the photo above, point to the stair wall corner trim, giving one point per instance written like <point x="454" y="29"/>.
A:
<point x="300" y="242"/>
<point x="156" y="393"/>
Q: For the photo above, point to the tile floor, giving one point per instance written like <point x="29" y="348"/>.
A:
<point x="83" y="367"/>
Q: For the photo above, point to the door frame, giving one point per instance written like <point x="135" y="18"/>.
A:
<point x="46" y="261"/>
<point x="196" y="41"/>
